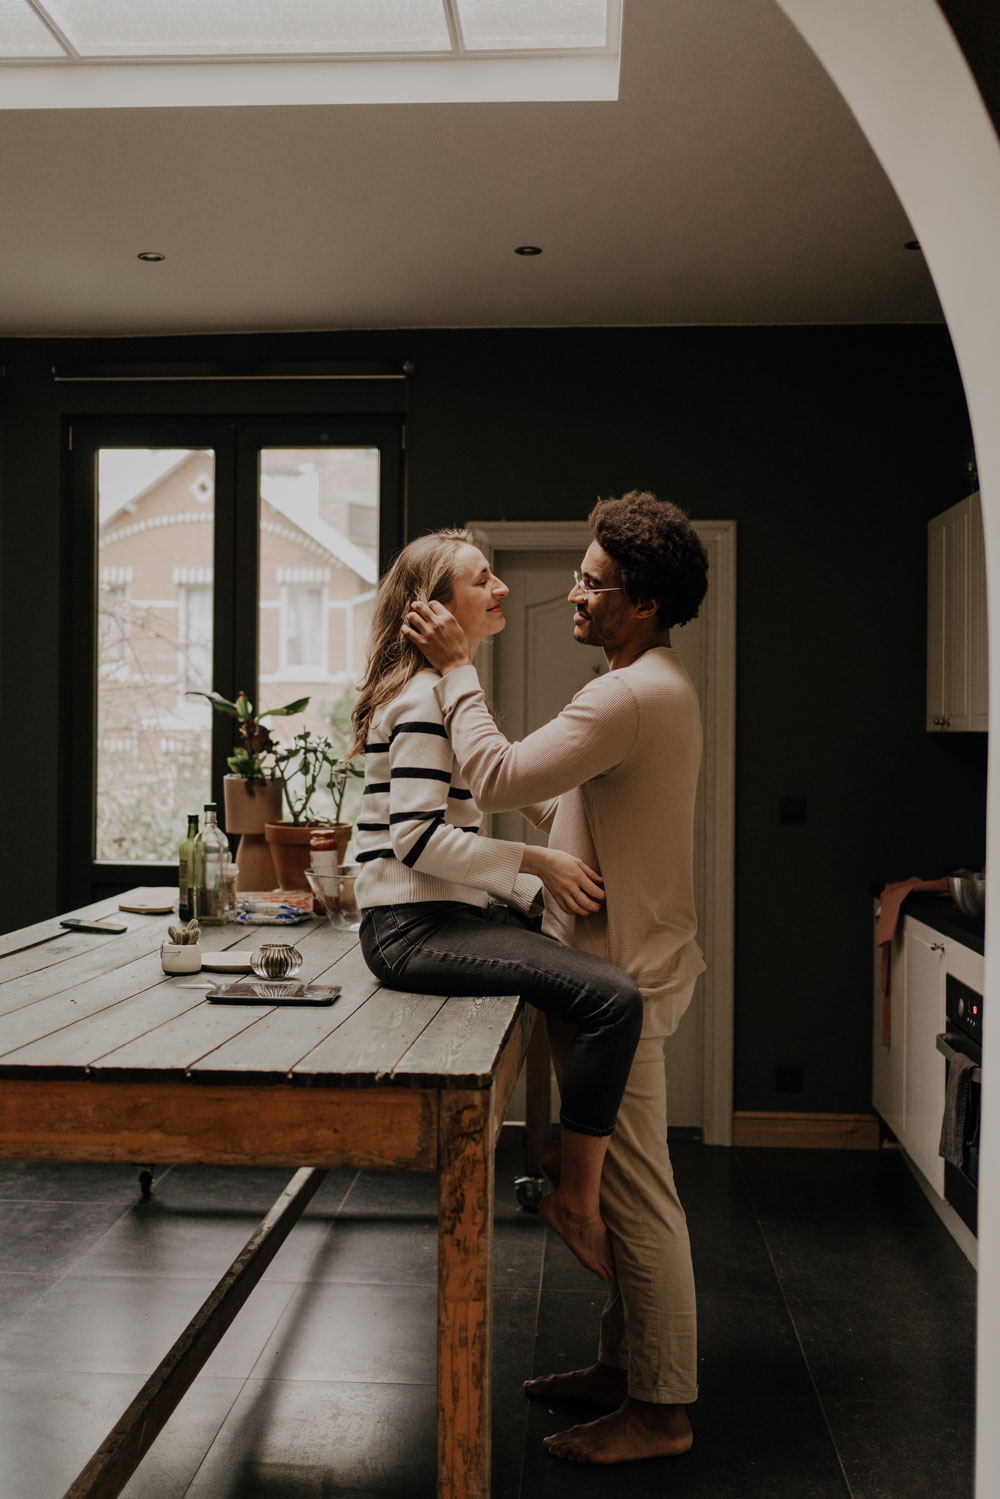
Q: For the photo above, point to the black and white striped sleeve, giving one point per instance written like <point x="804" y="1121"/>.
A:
<point x="433" y="824"/>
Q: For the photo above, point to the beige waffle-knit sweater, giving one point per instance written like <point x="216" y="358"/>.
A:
<point x="613" y="779"/>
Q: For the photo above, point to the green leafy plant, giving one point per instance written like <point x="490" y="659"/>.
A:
<point x="310" y="764"/>
<point x="255" y="755"/>
<point x="185" y="935"/>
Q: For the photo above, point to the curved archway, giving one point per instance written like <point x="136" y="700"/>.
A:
<point x="902" y="73"/>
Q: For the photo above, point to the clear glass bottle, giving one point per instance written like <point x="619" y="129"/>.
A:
<point x="211" y="855"/>
<point x="185" y="870"/>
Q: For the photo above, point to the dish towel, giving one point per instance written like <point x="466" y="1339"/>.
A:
<point x="892" y="899"/>
<point x="956" y="1106"/>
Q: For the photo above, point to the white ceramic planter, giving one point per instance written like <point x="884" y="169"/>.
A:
<point x="176" y="957"/>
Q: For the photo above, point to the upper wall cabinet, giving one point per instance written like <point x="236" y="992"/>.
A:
<point x="957" y="635"/>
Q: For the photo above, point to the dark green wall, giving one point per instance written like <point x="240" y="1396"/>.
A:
<point x="831" y="447"/>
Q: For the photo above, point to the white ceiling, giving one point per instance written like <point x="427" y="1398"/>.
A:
<point x="729" y="184"/>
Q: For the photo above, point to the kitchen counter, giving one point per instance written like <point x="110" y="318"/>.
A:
<point x="941" y="914"/>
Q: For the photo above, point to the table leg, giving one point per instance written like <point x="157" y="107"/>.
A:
<point x="537" y="1112"/>
<point x="465" y="1293"/>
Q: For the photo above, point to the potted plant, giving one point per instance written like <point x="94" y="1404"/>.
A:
<point x="310" y="765"/>
<point x="182" y="954"/>
<point x="252" y="790"/>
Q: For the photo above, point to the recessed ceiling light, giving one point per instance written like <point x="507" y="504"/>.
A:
<point x="528" y="250"/>
<point x="912" y="244"/>
<point x="150" y="255"/>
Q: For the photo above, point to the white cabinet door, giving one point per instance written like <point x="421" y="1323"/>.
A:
<point x="924" y="1020"/>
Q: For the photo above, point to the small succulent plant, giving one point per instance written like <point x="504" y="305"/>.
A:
<point x="186" y="935"/>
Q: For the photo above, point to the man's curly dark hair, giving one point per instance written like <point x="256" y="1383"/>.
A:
<point x="659" y="555"/>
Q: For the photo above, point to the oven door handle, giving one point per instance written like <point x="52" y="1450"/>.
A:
<point x="948" y="1050"/>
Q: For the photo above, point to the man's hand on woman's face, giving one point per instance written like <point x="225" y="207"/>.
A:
<point x="437" y="633"/>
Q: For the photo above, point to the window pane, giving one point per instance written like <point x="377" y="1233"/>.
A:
<point x="154" y="643"/>
<point x="318" y="570"/>
<point x="121" y="27"/>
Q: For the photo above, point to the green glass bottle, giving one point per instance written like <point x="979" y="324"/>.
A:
<point x="185" y="870"/>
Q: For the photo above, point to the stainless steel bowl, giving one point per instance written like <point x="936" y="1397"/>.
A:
<point x="968" y="891"/>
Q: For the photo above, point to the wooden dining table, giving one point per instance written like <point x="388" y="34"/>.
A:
<point x="103" y="1057"/>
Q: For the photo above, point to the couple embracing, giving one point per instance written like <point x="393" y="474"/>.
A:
<point x="612" y="961"/>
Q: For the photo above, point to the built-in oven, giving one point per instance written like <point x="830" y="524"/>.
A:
<point x="963" y="1038"/>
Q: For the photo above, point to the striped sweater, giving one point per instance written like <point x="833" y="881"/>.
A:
<point x="418" y="833"/>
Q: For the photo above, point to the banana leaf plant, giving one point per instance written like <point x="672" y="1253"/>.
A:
<point x="254" y="756"/>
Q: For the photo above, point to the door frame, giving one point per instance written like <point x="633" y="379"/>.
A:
<point x="718" y="777"/>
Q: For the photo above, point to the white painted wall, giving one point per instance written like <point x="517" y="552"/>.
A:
<point x="898" y="66"/>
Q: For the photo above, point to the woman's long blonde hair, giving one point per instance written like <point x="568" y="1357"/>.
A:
<point x="425" y="569"/>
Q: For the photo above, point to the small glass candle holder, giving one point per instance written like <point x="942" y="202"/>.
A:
<point x="276" y="960"/>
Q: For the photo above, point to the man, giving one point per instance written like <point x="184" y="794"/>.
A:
<point x="613" y="779"/>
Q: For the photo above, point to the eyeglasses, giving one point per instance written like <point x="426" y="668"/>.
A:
<point x="586" y="588"/>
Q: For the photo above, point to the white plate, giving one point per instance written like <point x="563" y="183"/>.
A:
<point x="226" y="962"/>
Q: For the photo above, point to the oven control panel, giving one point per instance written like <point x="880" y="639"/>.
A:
<point x="964" y="1008"/>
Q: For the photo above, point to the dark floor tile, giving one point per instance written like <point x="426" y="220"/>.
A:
<point x="749" y="1345"/>
<point x="518" y="1248"/>
<point x="389" y="1250"/>
<point x="45" y="1237"/>
<point x="162" y="1239"/>
<point x="731" y="1259"/>
<point x="745" y="1448"/>
<point x="52" y="1423"/>
<point x="69" y="1182"/>
<point x="924" y="1450"/>
<point x="513" y="1341"/>
<point x="709" y="1182"/>
<point x="375" y="1193"/>
<point x="891" y="1262"/>
<point x="288" y="1439"/>
<point x="864" y="1186"/>
<point x="125" y="1324"/>
<point x="355" y="1333"/>
<point x="877" y="1350"/>
<point x="247" y="1189"/>
<point x="569" y="1324"/>
<point x="18" y="1294"/>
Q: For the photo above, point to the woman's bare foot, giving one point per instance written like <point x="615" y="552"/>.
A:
<point x="634" y="1431"/>
<point x="585" y="1234"/>
<point x="600" y="1384"/>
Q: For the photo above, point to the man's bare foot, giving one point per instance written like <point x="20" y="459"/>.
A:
<point x="586" y="1235"/>
<point x="550" y="1165"/>
<point x="600" y="1384"/>
<point x="634" y="1431"/>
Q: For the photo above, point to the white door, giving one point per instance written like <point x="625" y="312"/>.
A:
<point x="535" y="669"/>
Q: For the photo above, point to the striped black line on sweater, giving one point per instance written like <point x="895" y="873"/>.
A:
<point x="376" y="749"/>
<point x="376" y="853"/>
<point x="458" y="794"/>
<point x="418" y="773"/>
<point x="376" y="788"/>
<point x="422" y="842"/>
<point x="437" y="812"/>
<point x="419" y="727"/>
<point x="373" y="827"/>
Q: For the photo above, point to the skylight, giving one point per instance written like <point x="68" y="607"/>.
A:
<point x="89" y="31"/>
<point x="136" y="54"/>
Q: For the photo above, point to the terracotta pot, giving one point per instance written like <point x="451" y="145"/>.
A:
<point x="289" y="846"/>
<point x="248" y="813"/>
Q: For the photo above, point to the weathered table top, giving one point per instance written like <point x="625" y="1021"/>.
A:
<point x="100" y="1006"/>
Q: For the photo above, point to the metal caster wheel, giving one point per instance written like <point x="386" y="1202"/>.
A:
<point x="146" y="1184"/>
<point x="529" y="1191"/>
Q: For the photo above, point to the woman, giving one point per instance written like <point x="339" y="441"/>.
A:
<point x="427" y="876"/>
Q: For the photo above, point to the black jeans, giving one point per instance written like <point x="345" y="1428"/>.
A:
<point x="448" y="947"/>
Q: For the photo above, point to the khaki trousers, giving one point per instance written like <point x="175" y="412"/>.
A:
<point x="649" y="1323"/>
